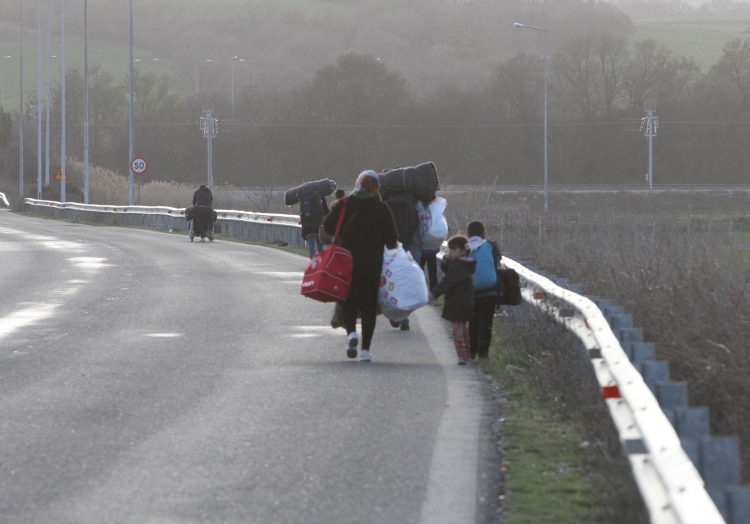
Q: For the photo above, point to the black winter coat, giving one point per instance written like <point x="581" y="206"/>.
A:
<point x="203" y="197"/>
<point x="367" y="229"/>
<point x="458" y="287"/>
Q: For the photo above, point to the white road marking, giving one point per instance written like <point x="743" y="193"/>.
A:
<point x="452" y="484"/>
<point x="89" y="262"/>
<point x="282" y="274"/>
<point x="25" y="317"/>
<point x="163" y="335"/>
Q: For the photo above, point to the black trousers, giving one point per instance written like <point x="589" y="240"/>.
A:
<point x="205" y="220"/>
<point x="480" y="326"/>
<point x="431" y="261"/>
<point x="363" y="298"/>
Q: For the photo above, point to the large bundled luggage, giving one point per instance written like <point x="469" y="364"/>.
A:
<point x="323" y="188"/>
<point x="421" y="181"/>
<point x="402" y="285"/>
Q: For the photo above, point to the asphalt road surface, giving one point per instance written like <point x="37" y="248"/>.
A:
<point x="145" y="379"/>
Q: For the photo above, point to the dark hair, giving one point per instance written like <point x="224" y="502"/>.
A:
<point x="201" y="186"/>
<point x="459" y="241"/>
<point x="340" y="193"/>
<point x="476" y="229"/>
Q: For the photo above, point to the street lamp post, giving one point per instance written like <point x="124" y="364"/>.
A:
<point x="63" y="121"/>
<point x="46" y="125"/>
<point x="46" y="140"/>
<point x="20" y="114"/>
<point x="545" y="106"/>
<point x="196" y="76"/>
<point x="167" y="61"/>
<point x="130" y="114"/>
<point x="39" y="100"/>
<point x="85" y="102"/>
<point x="2" y="81"/>
<point x="239" y="60"/>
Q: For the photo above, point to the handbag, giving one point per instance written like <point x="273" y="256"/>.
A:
<point x="329" y="273"/>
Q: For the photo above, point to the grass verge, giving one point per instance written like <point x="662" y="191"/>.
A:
<point x="563" y="461"/>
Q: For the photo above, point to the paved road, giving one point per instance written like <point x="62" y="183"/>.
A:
<point x="146" y="379"/>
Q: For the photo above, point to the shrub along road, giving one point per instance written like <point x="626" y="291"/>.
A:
<point x="148" y="379"/>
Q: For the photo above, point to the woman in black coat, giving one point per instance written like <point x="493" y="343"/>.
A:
<point x="367" y="228"/>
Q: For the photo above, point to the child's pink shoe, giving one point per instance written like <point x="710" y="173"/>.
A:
<point x="462" y="358"/>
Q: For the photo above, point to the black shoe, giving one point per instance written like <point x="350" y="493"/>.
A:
<point x="405" y="326"/>
<point x="395" y="324"/>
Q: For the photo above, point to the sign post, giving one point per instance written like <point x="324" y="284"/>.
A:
<point x="138" y="166"/>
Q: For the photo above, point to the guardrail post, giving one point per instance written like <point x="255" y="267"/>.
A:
<point x="653" y="372"/>
<point x="739" y="505"/>
<point x="628" y="337"/>
<point x="720" y="468"/>
<point x="642" y="351"/>
<point x="671" y="395"/>
<point x="611" y="311"/>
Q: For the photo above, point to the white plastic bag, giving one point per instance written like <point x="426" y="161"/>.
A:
<point x="402" y="285"/>
<point x="432" y="224"/>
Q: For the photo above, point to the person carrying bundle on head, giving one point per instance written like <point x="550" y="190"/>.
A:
<point x="313" y="208"/>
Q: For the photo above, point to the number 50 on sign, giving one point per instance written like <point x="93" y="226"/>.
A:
<point x="139" y="165"/>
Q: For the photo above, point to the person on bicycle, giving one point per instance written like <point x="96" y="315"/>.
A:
<point x="203" y="201"/>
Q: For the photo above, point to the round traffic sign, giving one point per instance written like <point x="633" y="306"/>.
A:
<point x="139" y="165"/>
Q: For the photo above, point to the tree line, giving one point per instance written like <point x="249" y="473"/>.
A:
<point x="358" y="112"/>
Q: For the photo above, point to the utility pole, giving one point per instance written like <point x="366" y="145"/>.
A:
<point x="62" y="118"/>
<point x="39" y="100"/>
<point x="131" y="134"/>
<point x="210" y="128"/>
<point x="20" y="113"/>
<point x="649" y="125"/>
<point x="46" y="125"/>
<point x="85" y="102"/>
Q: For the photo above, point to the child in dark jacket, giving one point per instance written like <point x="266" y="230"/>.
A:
<point x="458" y="287"/>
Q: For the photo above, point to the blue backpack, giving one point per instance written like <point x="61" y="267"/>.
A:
<point x="485" y="276"/>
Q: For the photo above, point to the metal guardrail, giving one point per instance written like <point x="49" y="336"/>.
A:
<point x="671" y="487"/>
<point x="259" y="227"/>
<point x="4" y="200"/>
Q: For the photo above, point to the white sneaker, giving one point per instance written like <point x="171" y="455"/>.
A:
<point x="364" y="356"/>
<point x="351" y="345"/>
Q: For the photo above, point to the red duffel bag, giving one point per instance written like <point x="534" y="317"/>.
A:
<point x="329" y="273"/>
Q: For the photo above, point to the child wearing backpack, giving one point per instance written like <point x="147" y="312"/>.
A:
<point x="458" y="288"/>
<point x="487" y="255"/>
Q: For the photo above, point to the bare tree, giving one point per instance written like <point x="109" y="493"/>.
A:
<point x="648" y="62"/>
<point x="579" y="65"/>
<point x="734" y="67"/>
<point x="359" y="89"/>
<point x="518" y="85"/>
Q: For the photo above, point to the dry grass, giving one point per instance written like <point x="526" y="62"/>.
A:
<point x="677" y="262"/>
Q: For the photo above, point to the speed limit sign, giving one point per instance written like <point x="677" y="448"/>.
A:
<point x="139" y="165"/>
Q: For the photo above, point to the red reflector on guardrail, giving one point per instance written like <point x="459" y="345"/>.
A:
<point x="610" y="392"/>
<point x="239" y="216"/>
<point x="269" y="219"/>
<point x="538" y="295"/>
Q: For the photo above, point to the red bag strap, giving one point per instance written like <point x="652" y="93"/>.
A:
<point x="341" y="221"/>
